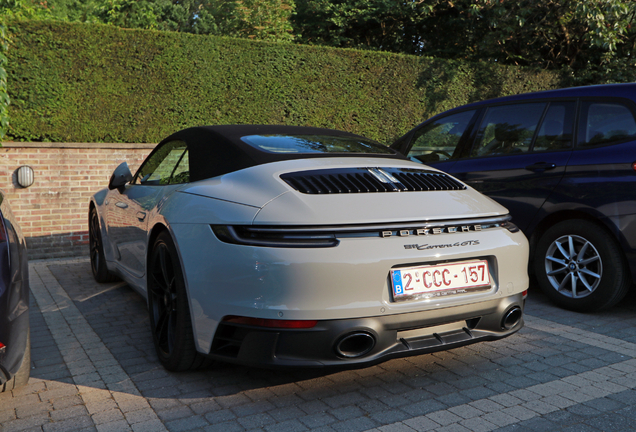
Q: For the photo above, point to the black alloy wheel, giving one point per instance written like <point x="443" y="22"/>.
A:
<point x="98" y="259"/>
<point x="169" y="311"/>
<point x="579" y="266"/>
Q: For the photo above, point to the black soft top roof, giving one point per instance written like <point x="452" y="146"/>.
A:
<point x="218" y="150"/>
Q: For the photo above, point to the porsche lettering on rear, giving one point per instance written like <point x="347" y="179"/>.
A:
<point x="432" y="231"/>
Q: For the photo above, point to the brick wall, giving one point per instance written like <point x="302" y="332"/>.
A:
<point x="53" y="212"/>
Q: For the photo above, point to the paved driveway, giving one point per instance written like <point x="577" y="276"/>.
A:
<point x="94" y="368"/>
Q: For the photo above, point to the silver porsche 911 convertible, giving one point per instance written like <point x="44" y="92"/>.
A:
<point x="298" y="246"/>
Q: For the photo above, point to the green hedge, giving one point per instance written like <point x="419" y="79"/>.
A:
<point x="98" y="83"/>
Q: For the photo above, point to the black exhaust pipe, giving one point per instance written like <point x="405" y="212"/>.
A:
<point x="511" y="318"/>
<point x="355" y="344"/>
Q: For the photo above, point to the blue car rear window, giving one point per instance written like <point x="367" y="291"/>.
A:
<point x="605" y="123"/>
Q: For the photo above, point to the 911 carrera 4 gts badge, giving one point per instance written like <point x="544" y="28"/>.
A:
<point x="441" y="246"/>
<point x="432" y="231"/>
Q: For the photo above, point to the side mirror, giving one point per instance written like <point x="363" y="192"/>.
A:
<point x="120" y="176"/>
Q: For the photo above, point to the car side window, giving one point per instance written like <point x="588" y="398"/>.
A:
<point x="604" y="123"/>
<point x="508" y="129"/>
<point x="557" y="127"/>
<point x="168" y="165"/>
<point x="438" y="140"/>
<point x="181" y="172"/>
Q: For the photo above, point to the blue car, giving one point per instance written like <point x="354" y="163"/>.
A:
<point x="564" y="163"/>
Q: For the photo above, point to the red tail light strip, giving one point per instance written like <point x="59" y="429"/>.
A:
<point x="271" y="323"/>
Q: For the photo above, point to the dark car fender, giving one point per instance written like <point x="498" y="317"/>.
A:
<point x="14" y="326"/>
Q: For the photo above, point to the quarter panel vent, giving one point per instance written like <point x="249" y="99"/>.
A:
<point x="368" y="180"/>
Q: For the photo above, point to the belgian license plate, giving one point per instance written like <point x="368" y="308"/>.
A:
<point x="439" y="280"/>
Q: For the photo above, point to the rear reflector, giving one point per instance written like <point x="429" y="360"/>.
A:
<point x="2" y="348"/>
<point x="525" y="294"/>
<point x="271" y="323"/>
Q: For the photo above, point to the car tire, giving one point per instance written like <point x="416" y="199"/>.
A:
<point x="21" y="377"/>
<point x="572" y="266"/>
<point x="98" y="259"/>
<point x="169" y="310"/>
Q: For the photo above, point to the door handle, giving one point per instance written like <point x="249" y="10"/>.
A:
<point x="141" y="216"/>
<point x="541" y="166"/>
<point x="121" y="205"/>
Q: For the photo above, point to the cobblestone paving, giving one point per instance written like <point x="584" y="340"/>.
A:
<point x="94" y="368"/>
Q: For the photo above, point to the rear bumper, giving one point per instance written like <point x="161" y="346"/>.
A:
<point x="383" y="337"/>
<point x="334" y="285"/>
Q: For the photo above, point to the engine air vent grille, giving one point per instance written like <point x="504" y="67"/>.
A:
<point x="365" y="180"/>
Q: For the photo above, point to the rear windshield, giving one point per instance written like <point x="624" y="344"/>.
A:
<point x="315" y="144"/>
